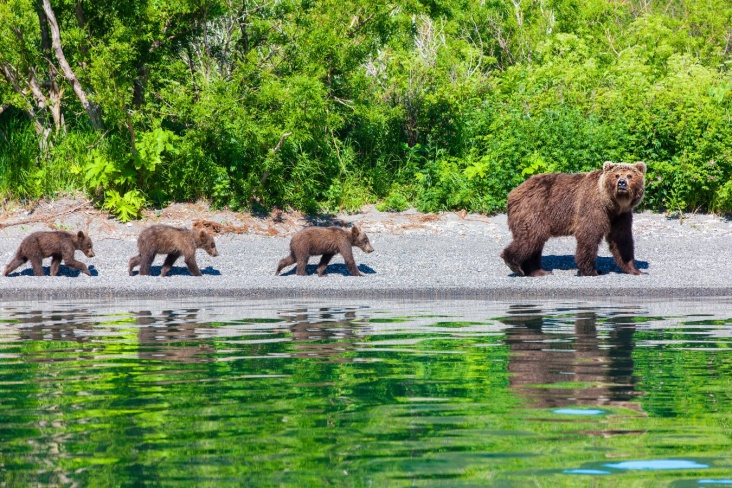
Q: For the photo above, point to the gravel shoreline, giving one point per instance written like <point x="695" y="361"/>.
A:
<point x="417" y="256"/>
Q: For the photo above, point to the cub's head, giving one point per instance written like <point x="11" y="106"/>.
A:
<point x="84" y="244"/>
<point x="205" y="241"/>
<point x="624" y="183"/>
<point x="361" y="240"/>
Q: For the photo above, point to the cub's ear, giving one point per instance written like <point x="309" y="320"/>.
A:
<point x="202" y="233"/>
<point x="81" y="235"/>
<point x="641" y="166"/>
<point x="608" y="165"/>
<point x="355" y="231"/>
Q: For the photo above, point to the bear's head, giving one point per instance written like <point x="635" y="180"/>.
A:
<point x="84" y="243"/>
<point x="205" y="241"/>
<point x="624" y="183"/>
<point x="361" y="240"/>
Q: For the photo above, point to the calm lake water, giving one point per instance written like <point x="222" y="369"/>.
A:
<point x="366" y="394"/>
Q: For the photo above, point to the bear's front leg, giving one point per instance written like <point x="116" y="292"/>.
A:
<point x="620" y="241"/>
<point x="192" y="265"/>
<point x="73" y="263"/>
<point x="350" y="262"/>
<point x="586" y="254"/>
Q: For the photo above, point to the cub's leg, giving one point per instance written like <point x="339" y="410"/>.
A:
<point x="73" y="263"/>
<point x="134" y="261"/>
<point x="169" y="260"/>
<point x="323" y="264"/>
<point x="350" y="262"/>
<point x="302" y="265"/>
<point x="55" y="264"/>
<point x="14" y="264"/>
<point x="146" y="261"/>
<point x="37" y="264"/>
<point x="284" y="262"/>
<point x="192" y="266"/>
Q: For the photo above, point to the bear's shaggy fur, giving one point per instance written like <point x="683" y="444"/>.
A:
<point x="55" y="244"/>
<point x="327" y="241"/>
<point x="173" y="241"/>
<point x="589" y="206"/>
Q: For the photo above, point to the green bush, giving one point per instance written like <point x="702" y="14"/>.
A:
<point x="326" y="106"/>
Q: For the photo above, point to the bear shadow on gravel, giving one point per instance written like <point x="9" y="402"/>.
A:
<point x="182" y="271"/>
<point x="338" y="269"/>
<point x="62" y="271"/>
<point x="605" y="264"/>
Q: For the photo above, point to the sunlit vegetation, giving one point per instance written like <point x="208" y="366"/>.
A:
<point x="329" y="105"/>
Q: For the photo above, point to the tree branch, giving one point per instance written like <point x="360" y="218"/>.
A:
<point x="91" y="108"/>
<point x="282" y="139"/>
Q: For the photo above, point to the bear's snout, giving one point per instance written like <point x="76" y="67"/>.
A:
<point x="622" y="184"/>
<point x="368" y="248"/>
<point x="89" y="253"/>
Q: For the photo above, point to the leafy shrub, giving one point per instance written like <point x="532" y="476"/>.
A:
<point x="439" y="107"/>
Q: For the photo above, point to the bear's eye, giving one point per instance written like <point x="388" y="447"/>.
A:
<point x="630" y="177"/>
<point x="617" y="176"/>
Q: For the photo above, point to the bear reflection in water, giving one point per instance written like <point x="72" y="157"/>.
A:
<point x="173" y="336"/>
<point x="322" y="333"/>
<point x="602" y="365"/>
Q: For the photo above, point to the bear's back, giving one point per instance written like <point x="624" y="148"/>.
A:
<point x="319" y="240"/>
<point x="165" y="239"/>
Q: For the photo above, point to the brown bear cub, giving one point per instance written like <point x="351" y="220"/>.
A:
<point x="589" y="206"/>
<point x="325" y="241"/>
<point x="57" y="245"/>
<point x="173" y="241"/>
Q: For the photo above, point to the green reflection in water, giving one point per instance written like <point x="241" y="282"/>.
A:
<point x="309" y="396"/>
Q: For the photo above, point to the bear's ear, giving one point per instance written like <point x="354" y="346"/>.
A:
<point x="81" y="235"/>
<point x="641" y="166"/>
<point x="202" y="234"/>
<point x="355" y="231"/>
<point x="608" y="166"/>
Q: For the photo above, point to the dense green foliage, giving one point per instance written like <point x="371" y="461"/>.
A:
<point x="318" y="105"/>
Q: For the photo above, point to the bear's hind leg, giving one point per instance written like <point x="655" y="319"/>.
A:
<point x="302" y="265"/>
<point x="37" y="264"/>
<point x="134" y="261"/>
<point x="524" y="256"/>
<point x="146" y="261"/>
<point x="532" y="266"/>
<point x="285" y="262"/>
<point x="12" y="265"/>
<point x="509" y="257"/>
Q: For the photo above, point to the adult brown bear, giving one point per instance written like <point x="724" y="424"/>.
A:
<point x="589" y="206"/>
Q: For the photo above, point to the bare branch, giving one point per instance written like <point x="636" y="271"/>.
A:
<point x="90" y="108"/>
<point x="282" y="139"/>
